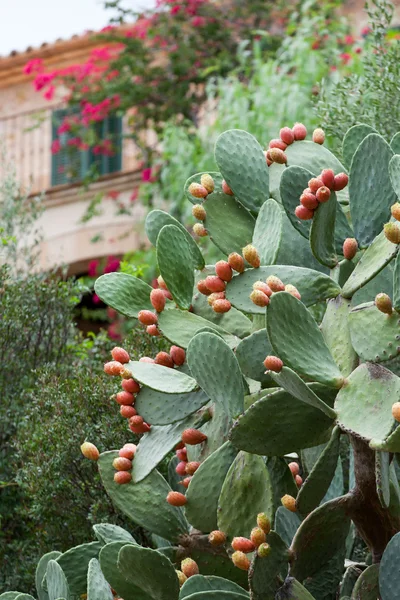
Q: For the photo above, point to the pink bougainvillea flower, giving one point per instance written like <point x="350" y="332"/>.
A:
<point x="92" y="268"/>
<point x="112" y="264"/>
<point x="146" y="175"/>
<point x="113" y="194"/>
<point x="49" y="93"/>
<point x="349" y="40"/>
<point x="134" y="196"/>
<point x="346" y="57"/>
<point x="96" y="299"/>
<point x="55" y="147"/>
<point x="32" y="66"/>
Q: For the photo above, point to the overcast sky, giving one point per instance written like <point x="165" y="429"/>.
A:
<point x="26" y="23"/>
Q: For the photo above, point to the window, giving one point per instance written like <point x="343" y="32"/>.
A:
<point x="71" y="165"/>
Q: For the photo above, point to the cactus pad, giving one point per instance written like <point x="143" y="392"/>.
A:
<point x="367" y="585"/>
<point x="286" y="524"/>
<point x="174" y="260"/>
<point x="374" y="334"/>
<point x="219" y="565"/>
<point x="159" y="408"/>
<point x="268" y="232"/>
<point x="293" y="590"/>
<point x="353" y="139"/>
<point x="293" y="181"/>
<point x="57" y="585"/>
<point x="336" y="331"/>
<point x="389" y="575"/>
<point x="179" y="327"/>
<point x="228" y="223"/>
<point x="74" y="562"/>
<point x="162" y="379"/>
<point x="125" y="293"/>
<point x="251" y="353"/>
<point x="97" y="586"/>
<point x="40" y="574"/>
<point x="201" y="583"/>
<point x="196" y="179"/>
<point x="109" y="565"/>
<point x="266" y="574"/>
<point x="107" y="532"/>
<point x="322" y="232"/>
<point x="396" y="284"/>
<point x="313" y="157"/>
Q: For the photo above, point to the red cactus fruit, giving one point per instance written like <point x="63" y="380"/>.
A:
<point x="178" y="355"/>
<point x="396" y="411"/>
<point x="350" y="247"/>
<point x="176" y="499"/>
<point x="90" y="451"/>
<point x="395" y="210"/>
<point x="294" y="468"/>
<point x="263" y="287"/>
<point x="125" y="398"/>
<point x="289" y="502"/>
<point x="221" y="305"/>
<point x="157" y="299"/>
<point x="298" y="480"/>
<point x="314" y="184"/>
<point x="224" y="270"/>
<point x="179" y="446"/>
<point x="257" y="536"/>
<point x="267" y="158"/>
<point x="328" y="178"/>
<point x="236" y="262"/>
<point x="243" y="544"/>
<point x="259" y="298"/>
<point x="203" y="289"/>
<point x="185" y="482"/>
<point x="226" y="189"/>
<point x="197" y="190"/>
<point x="199" y="230"/>
<point x="318" y="136"/>
<point x="286" y="135"/>
<point x="113" y="368"/>
<point x="191" y="467"/>
<point x="167" y="294"/>
<point x="137" y="425"/>
<point x="122" y="477"/>
<point x="147" y="317"/>
<point x="309" y="200"/>
<point x="161" y="283"/>
<point x="122" y="464"/>
<point x="130" y="385"/>
<point x="392" y="232"/>
<point x="293" y="291"/>
<point x="191" y="437"/>
<point x="199" y="212"/>
<point x="251" y="255"/>
<point x="181" y="454"/>
<point x="303" y="213"/>
<point x="215" y="283"/>
<point x="181" y="577"/>
<point x="384" y="303"/>
<point x="152" y="330"/>
<point x="208" y="182"/>
<point x="146" y="359"/>
<point x="126" y="373"/>
<point x="323" y="194"/>
<point x="299" y="131"/>
<point x="278" y="156"/>
<point x="277" y="143"/>
<point x="263" y="550"/>
<point x="164" y="359"/>
<point x="273" y="363"/>
<point x="128" y="451"/>
<point x="189" y="567"/>
<point x="127" y="411"/>
<point x="181" y="468"/>
<point x="217" y="538"/>
<point x="263" y="522"/>
<point x="214" y="297"/>
<point x="340" y="181"/>
<point x="240" y="560"/>
<point x="275" y="283"/>
<point x="120" y="355"/>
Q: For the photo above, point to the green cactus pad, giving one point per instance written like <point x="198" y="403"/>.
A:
<point x="125" y="293"/>
<point x="325" y="582"/>
<point x="294" y="180"/>
<point x="287" y="523"/>
<point x="319" y="537"/>
<point x="395" y="143"/>
<point x="10" y="595"/>
<point x="228" y="223"/>
<point x="180" y="326"/>
<point x="205" y="487"/>
<point x="294" y="249"/>
<point x="268" y="232"/>
<point x="396" y="284"/>
<point x="74" y="562"/>
<point x="24" y="597"/>
<point x="390" y="444"/>
<point x="350" y="577"/>
<point x="302" y="346"/>
<point x="246" y="492"/>
<point x="251" y="353"/>
<point x="374" y="334"/>
<point x="217" y="595"/>
<point x="201" y="583"/>
<point x="97" y="586"/>
<point x="159" y="408"/>
<point x="313" y="157"/>
<point x="322" y="232"/>
<point x="40" y="574"/>
<point x="294" y="385"/>
<point x="173" y="478"/>
<point x="150" y="571"/>
<point x="382" y="476"/>
<point x="364" y="404"/>
<point x="281" y="479"/>
<point x="161" y="379"/>
<point x="382" y="282"/>
<point x="217" y="371"/>
<point x="275" y="172"/>
<point x="174" y="260"/>
<point x="219" y="565"/>
<point x="196" y="179"/>
<point x="56" y="581"/>
<point x="375" y="258"/>
<point x="279" y="424"/>
<point x="145" y="502"/>
<point x="157" y="443"/>
<point x="336" y="331"/>
<point x="155" y="221"/>
<point x="370" y="190"/>
<point x="242" y="163"/>
<point x="312" y="285"/>
<point x="109" y="565"/>
<point x="293" y="590"/>
<point x="266" y="574"/>
<point x="367" y="585"/>
<point x="389" y="575"/>
<point x="353" y="138"/>
<point x="317" y="483"/>
<point x="107" y="532"/>
<point x="394" y="172"/>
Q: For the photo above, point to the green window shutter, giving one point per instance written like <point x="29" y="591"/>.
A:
<point x="110" y="128"/>
<point x="68" y="165"/>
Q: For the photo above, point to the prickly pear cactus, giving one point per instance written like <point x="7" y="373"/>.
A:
<point x="279" y="401"/>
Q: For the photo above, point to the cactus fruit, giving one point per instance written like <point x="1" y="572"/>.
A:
<point x="392" y="232"/>
<point x="396" y="411"/>
<point x="153" y="330"/>
<point x="275" y="284"/>
<point x="158" y="299"/>
<point x="291" y="289"/>
<point x="120" y="355"/>
<point x="127" y="411"/>
<point x="303" y="213"/>
<point x="323" y="194"/>
<point x="395" y="210"/>
<point x="217" y="538"/>
<point x="122" y="464"/>
<point x="161" y="283"/>
<point x="257" y="536"/>
<point x="277" y="143"/>
<point x="192" y="437"/>
<point x="298" y="480"/>
<point x="90" y="451"/>
<point x="208" y="182"/>
<point x="243" y="544"/>
<point x="384" y="303"/>
<point x="318" y="136"/>
<point x="328" y="178"/>
<point x="113" y="368"/>
<point x="236" y="262"/>
<point x="214" y="297"/>
<point x="350" y="247"/>
<point x="176" y="499"/>
<point x="185" y="482"/>
<point x="199" y="230"/>
<point x="240" y="560"/>
<point x="146" y="359"/>
<point x="137" y="425"/>
<point x="178" y="355"/>
<point x="189" y="567"/>
<point x="259" y="298"/>
<point x="278" y="156"/>
<point x="181" y="577"/>
<point x="146" y="317"/>
<point x="203" y="289"/>
<point x="286" y="135"/>
<point x="294" y="468"/>
<point x="191" y="467"/>
<point x="164" y="359"/>
<point x="130" y="385"/>
<point x="181" y="453"/>
<point x="181" y="468"/>
<point x="197" y="190"/>
<point x="264" y="523"/>
<point x="122" y="477"/>
<point x="289" y="502"/>
<point x="251" y="255"/>
<point x="309" y="200"/>
<point x="125" y="398"/>
<point x="199" y="212"/>
<point x="273" y="363"/>
<point x="299" y="131"/>
<point x="340" y="182"/>
<point x="315" y="183"/>
<point x="262" y="287"/>
<point x="226" y="189"/>
<point x="215" y="283"/>
<point x="263" y="550"/>
<point x="128" y="451"/>
<point x="223" y="270"/>
<point x="221" y="305"/>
